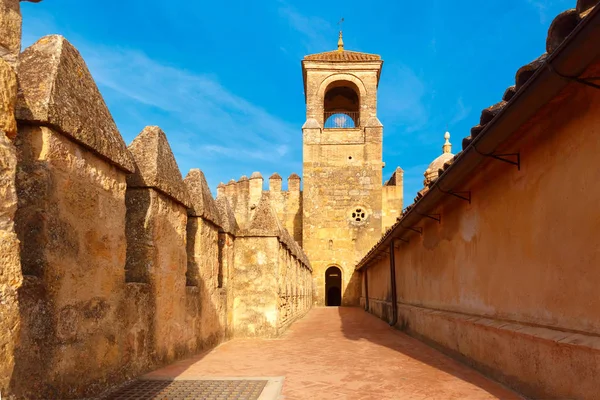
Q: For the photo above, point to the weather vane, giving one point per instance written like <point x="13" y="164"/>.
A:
<point x="340" y="39"/>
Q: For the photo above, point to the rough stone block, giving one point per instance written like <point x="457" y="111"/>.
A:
<point x="57" y="89"/>
<point x="8" y="99"/>
<point x="264" y="221"/>
<point x="10" y="263"/>
<point x="10" y="31"/>
<point x="155" y="165"/>
<point x="227" y="216"/>
<point x="202" y="203"/>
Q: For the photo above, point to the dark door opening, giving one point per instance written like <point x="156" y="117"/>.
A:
<point x="333" y="287"/>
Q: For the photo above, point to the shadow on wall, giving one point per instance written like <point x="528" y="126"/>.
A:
<point x="357" y="324"/>
<point x="351" y="297"/>
<point x="79" y="337"/>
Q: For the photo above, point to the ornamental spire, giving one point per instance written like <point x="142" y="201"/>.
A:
<point x="447" y="147"/>
<point x="340" y="39"/>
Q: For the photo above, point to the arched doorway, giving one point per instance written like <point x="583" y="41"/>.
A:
<point x="333" y="287"/>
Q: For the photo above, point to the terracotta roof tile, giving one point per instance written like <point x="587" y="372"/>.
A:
<point x="476" y="130"/>
<point x="509" y="93"/>
<point x="342" y="56"/>
<point x="489" y="113"/>
<point x="527" y="71"/>
<point x="466" y="142"/>
<point x="560" y="28"/>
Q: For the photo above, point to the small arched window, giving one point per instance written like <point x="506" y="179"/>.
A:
<point x="341" y="106"/>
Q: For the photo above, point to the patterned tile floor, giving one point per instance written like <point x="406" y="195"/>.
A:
<point x="341" y="354"/>
<point x="191" y="390"/>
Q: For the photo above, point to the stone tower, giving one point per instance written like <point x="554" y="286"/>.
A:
<point x="342" y="166"/>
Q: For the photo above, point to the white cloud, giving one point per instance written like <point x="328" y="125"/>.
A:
<point x="203" y="120"/>
<point x="316" y="34"/>
<point x="208" y="125"/>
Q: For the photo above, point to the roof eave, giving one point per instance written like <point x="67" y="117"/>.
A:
<point x="571" y="58"/>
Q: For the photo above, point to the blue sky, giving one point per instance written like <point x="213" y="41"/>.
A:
<point x="223" y="79"/>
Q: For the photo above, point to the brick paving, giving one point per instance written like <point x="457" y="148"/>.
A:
<point x="343" y="353"/>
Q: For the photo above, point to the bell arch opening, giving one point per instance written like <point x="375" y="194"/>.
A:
<point x="333" y="287"/>
<point x="341" y="105"/>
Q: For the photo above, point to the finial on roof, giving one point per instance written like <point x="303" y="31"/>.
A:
<point x="447" y="147"/>
<point x="340" y="39"/>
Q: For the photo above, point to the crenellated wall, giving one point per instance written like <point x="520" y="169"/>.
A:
<point x="245" y="194"/>
<point x="112" y="263"/>
<point x="209" y="248"/>
<point x="71" y="225"/>
<point x="270" y="269"/>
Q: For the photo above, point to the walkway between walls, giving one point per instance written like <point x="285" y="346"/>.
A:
<point x="342" y="353"/>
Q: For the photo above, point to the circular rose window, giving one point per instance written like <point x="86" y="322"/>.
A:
<point x="358" y="214"/>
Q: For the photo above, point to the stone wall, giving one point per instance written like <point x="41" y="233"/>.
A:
<point x="112" y="264"/>
<point x="392" y="199"/>
<point x="10" y="271"/>
<point x="10" y="265"/>
<point x="342" y="174"/>
<point x="270" y="273"/>
<point x="157" y="202"/>
<point x="245" y="194"/>
<point x="209" y="252"/>
<point x="508" y="282"/>
<point x="342" y="200"/>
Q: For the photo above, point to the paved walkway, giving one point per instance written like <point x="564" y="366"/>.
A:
<point x="343" y="353"/>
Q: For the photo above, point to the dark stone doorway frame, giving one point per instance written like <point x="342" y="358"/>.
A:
<point x="333" y="286"/>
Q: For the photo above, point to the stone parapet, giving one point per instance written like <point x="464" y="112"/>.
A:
<point x="56" y="89"/>
<point x="202" y="203"/>
<point x="155" y="166"/>
<point x="117" y="261"/>
<point x="265" y="223"/>
<point x="245" y="195"/>
<point x="71" y="224"/>
<point x="227" y="216"/>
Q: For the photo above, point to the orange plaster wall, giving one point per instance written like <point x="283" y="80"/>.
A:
<point x="528" y="246"/>
<point x="525" y="251"/>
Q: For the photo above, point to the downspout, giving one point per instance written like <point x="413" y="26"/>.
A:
<point x="366" y="274"/>
<point x="393" y="282"/>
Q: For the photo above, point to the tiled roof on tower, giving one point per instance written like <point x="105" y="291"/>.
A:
<point x="341" y="55"/>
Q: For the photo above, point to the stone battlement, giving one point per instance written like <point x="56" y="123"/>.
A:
<point x="109" y="256"/>
<point x="245" y="195"/>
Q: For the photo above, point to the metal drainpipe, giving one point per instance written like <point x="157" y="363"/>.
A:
<point x="366" y="290"/>
<point x="393" y="282"/>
